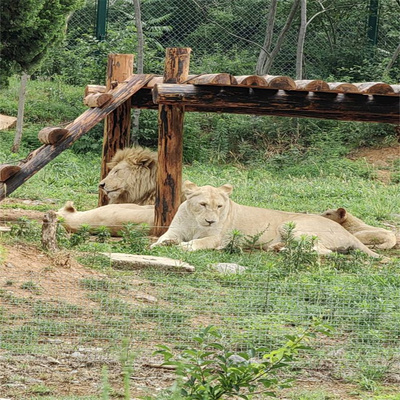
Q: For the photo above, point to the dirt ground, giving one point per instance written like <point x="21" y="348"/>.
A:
<point x="69" y="369"/>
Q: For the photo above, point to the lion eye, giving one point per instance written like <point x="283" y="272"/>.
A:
<point x="219" y="206"/>
<point x="203" y="204"/>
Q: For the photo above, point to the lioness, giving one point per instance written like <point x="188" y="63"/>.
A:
<point x="132" y="178"/>
<point x="113" y="216"/>
<point x="208" y="215"/>
<point x="369" y="235"/>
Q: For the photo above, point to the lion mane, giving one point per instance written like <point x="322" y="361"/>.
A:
<point x="132" y="177"/>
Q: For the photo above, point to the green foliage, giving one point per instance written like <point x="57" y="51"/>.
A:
<point x="27" y="30"/>
<point x="25" y="228"/>
<point x="212" y="371"/>
<point x="135" y="237"/>
<point x="297" y="252"/>
<point x="81" y="236"/>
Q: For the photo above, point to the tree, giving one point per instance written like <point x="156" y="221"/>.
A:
<point x="28" y="29"/>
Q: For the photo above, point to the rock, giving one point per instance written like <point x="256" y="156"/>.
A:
<point x="133" y="261"/>
<point x="146" y="297"/>
<point x="229" y="268"/>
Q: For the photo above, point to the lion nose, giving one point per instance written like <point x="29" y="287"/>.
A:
<point x="101" y="185"/>
<point x="210" y="221"/>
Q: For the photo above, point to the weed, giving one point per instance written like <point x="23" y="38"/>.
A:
<point x="135" y="238"/>
<point x="102" y="234"/>
<point x="27" y="229"/>
<point x="81" y="236"/>
<point x="31" y="287"/>
<point x="297" y="252"/>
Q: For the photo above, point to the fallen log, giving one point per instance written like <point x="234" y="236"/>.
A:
<point x="52" y="135"/>
<point x="43" y="155"/>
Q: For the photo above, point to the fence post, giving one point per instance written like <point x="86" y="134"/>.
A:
<point x="170" y="143"/>
<point x="117" y="124"/>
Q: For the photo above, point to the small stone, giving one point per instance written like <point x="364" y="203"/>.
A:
<point x="77" y="354"/>
<point x="229" y="268"/>
<point x="146" y="297"/>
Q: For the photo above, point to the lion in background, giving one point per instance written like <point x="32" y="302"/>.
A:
<point x="112" y="216"/>
<point x="208" y="216"/>
<point x="371" y="236"/>
<point x="132" y="178"/>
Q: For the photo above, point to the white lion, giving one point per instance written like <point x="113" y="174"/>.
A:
<point x="113" y="216"/>
<point x="208" y="216"/>
<point x="132" y="178"/>
<point x="371" y="236"/>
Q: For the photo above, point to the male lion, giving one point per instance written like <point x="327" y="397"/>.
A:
<point x="113" y="216"/>
<point x="371" y="236"/>
<point x="132" y="178"/>
<point x="208" y="215"/>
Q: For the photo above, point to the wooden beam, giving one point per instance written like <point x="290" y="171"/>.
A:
<point x="117" y="125"/>
<point x="170" y="143"/>
<point x="312" y="85"/>
<point x="97" y="99"/>
<point x="261" y="101"/>
<point x="43" y="155"/>
<point x="7" y="170"/>
<point x="52" y="135"/>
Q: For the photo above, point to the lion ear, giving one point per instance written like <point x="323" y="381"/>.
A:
<point x="227" y="188"/>
<point x="145" y="162"/>
<point x="342" y="212"/>
<point x="69" y="206"/>
<point x="188" y="188"/>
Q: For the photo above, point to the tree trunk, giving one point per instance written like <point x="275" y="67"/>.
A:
<point x="264" y="53"/>
<point x="301" y="39"/>
<point x="20" y="117"/>
<point x="392" y="60"/>
<point x="139" y="66"/>
<point x="279" y="41"/>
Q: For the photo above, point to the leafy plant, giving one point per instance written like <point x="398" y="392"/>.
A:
<point x="81" y="236"/>
<point x="24" y="228"/>
<point x="102" y="234"/>
<point x="213" y="371"/>
<point x="135" y="237"/>
<point x="297" y="252"/>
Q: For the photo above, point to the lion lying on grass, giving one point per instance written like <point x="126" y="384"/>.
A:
<point x="371" y="236"/>
<point x="113" y="216"/>
<point x="132" y="178"/>
<point x="208" y="216"/>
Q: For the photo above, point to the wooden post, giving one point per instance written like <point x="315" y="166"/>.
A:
<point x="170" y="143"/>
<point x="49" y="231"/>
<point x="117" y="125"/>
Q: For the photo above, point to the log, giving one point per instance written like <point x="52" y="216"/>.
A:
<point x="279" y="82"/>
<point x="86" y="121"/>
<point x="92" y="89"/>
<point x="312" y="85"/>
<point x="6" y="171"/>
<point x="154" y="81"/>
<point x="97" y="99"/>
<point x="343" y="87"/>
<point x="261" y="101"/>
<point x="251" y="80"/>
<point x="49" y="231"/>
<point x="212" y="79"/>
<point x="396" y="89"/>
<point x="170" y="143"/>
<point x="374" y="88"/>
<point x="117" y="125"/>
<point x="7" y="122"/>
<point x="52" y="135"/>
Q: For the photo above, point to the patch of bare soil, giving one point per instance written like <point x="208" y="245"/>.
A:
<point x="382" y="159"/>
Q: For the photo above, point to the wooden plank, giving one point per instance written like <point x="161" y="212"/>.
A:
<point x="212" y="79"/>
<point x="97" y="99"/>
<point x="40" y="157"/>
<point x="261" y="101"/>
<point x="170" y="143"/>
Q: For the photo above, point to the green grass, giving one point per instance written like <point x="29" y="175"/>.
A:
<point x="274" y="297"/>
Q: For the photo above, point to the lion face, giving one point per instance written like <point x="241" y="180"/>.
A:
<point x="132" y="178"/>
<point x="338" y="215"/>
<point x="208" y="205"/>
